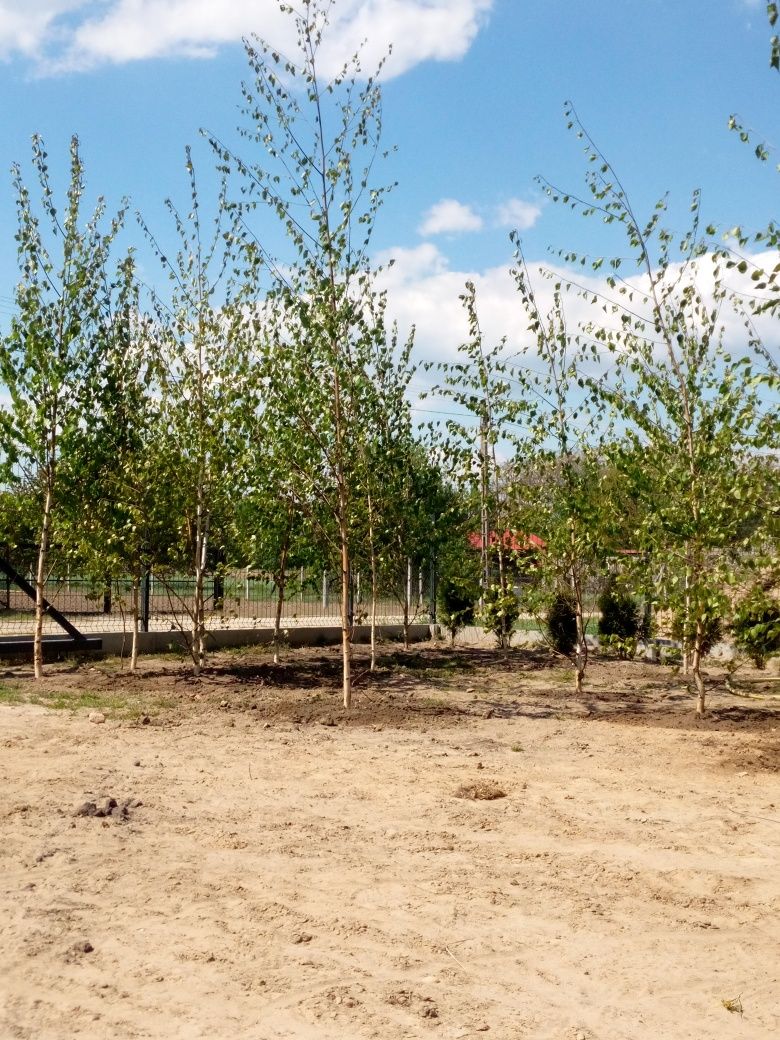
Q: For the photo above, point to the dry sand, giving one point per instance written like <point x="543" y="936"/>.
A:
<point x="297" y="873"/>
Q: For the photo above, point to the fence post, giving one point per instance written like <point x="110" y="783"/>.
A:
<point x="325" y="590"/>
<point x="146" y="595"/>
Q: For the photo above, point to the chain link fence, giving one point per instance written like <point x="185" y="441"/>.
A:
<point x="234" y="599"/>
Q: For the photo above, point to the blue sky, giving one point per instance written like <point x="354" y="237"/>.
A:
<point x="473" y="100"/>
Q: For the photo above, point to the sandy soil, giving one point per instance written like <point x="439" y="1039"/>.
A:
<point x="293" y="872"/>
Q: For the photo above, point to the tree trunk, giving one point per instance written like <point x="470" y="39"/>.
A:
<point x="581" y="652"/>
<point x="407" y="601"/>
<point x="135" y="622"/>
<point x="346" y="624"/>
<point x="280" y="585"/>
<point x="198" y="648"/>
<point x="373" y="614"/>
<point x="696" y="668"/>
<point x="503" y="638"/>
<point x="579" y="678"/>
<point x="686" y="629"/>
<point x="373" y="562"/>
<point x="40" y="582"/>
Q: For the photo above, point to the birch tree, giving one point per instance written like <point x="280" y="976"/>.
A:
<point x="557" y="491"/>
<point x="125" y="520"/>
<point x="693" y="397"/>
<point x="62" y="302"/>
<point x="202" y="372"/>
<point x="316" y="139"/>
<point x="480" y="385"/>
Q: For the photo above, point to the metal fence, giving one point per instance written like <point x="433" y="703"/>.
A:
<point x="237" y="599"/>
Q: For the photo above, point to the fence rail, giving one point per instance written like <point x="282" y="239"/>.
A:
<point x="240" y="599"/>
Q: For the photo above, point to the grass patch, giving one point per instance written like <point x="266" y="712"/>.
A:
<point x="247" y="651"/>
<point x="436" y="703"/>
<point x="73" y="700"/>
<point x="113" y="704"/>
<point x="528" y="625"/>
<point x="11" y="695"/>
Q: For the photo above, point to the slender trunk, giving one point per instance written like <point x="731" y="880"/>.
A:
<point x="581" y="652"/>
<point x="343" y="523"/>
<point x="407" y="601"/>
<point x="198" y="648"/>
<point x="697" y="676"/>
<point x="686" y="622"/>
<point x="40" y="581"/>
<point x="372" y="549"/>
<point x="504" y="637"/>
<point x="135" y="622"/>
<point x="696" y="659"/>
<point x="374" y="602"/>
<point x="346" y="621"/>
<point x="280" y="584"/>
<point x="484" y="519"/>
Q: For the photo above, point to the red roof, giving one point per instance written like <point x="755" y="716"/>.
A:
<point x="515" y="541"/>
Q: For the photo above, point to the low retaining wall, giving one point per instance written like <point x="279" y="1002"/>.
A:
<point x="322" y="635"/>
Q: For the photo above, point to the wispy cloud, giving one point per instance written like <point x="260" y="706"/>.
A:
<point x="25" y="28"/>
<point x="517" y="214"/>
<point x="424" y="290"/>
<point x="449" y="217"/>
<point x="67" y="35"/>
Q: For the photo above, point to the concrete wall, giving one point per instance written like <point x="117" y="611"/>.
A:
<point x="157" y="642"/>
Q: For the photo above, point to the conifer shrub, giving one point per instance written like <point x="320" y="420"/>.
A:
<point x="499" y="614"/>
<point x="619" y="625"/>
<point x="562" y="623"/>
<point x="456" y="603"/>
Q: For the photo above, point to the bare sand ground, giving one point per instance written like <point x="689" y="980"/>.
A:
<point x="294" y="872"/>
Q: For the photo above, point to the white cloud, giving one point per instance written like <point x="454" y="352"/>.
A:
<point x="423" y="290"/>
<point x="82" y="34"/>
<point x="418" y="30"/>
<point x="450" y="217"/>
<point x="517" y="214"/>
<point x="25" y="27"/>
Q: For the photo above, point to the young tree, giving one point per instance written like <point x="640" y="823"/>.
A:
<point x="54" y="347"/>
<point x="125" y="520"/>
<point x="693" y="413"/>
<point x="201" y="360"/>
<point x="319" y="138"/>
<point x="480" y="385"/>
<point x="557" y="491"/>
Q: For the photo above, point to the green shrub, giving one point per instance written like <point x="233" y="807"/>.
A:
<point x="562" y="624"/>
<point x="455" y="602"/>
<point x="499" y="614"/>
<point x="624" y="646"/>
<point x="619" y="612"/>
<point x="619" y="622"/>
<point x="756" y="628"/>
